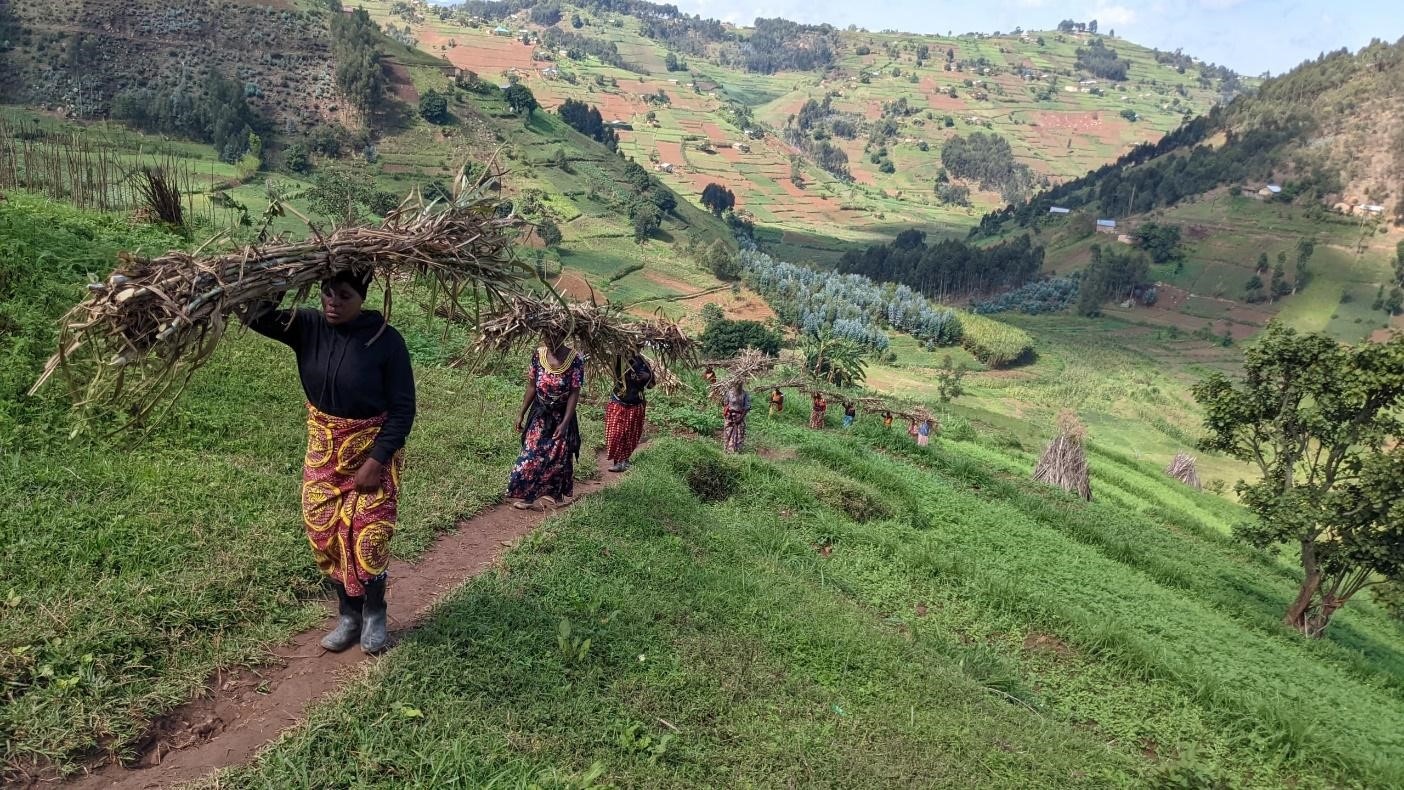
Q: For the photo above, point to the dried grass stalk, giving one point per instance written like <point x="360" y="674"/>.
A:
<point x="139" y="336"/>
<point x="1182" y="468"/>
<point x="745" y="368"/>
<point x="599" y="332"/>
<point x="1064" y="461"/>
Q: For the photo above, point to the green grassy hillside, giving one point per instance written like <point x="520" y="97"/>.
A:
<point x="850" y="610"/>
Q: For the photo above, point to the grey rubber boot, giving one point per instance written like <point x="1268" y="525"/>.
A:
<point x="348" y="625"/>
<point x="373" y="636"/>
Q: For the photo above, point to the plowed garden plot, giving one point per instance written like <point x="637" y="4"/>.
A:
<point x="489" y="56"/>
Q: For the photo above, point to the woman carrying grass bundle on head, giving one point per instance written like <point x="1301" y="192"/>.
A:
<point x="624" y="415"/>
<point x="923" y="433"/>
<point x="887" y="419"/>
<point x="816" y="412"/>
<point x="550" y="432"/>
<point x="777" y="403"/>
<point x="850" y="413"/>
<point x="356" y="374"/>
<point x="736" y="404"/>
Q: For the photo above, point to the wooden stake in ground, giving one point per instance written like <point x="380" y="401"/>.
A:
<point x="1064" y="461"/>
<point x="1182" y="468"/>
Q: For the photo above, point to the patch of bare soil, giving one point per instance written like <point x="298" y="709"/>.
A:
<point x="246" y="709"/>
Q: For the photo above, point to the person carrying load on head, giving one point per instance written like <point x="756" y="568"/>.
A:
<point x="624" y="414"/>
<point x="850" y="413"/>
<point x="736" y="404"/>
<point x="817" y="406"/>
<point x="550" y="432"/>
<point x="777" y="402"/>
<point x="356" y="375"/>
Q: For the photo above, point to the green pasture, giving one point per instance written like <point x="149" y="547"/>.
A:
<point x="674" y="631"/>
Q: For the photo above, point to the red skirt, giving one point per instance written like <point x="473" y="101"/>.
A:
<point x="349" y="531"/>
<point x="623" y="429"/>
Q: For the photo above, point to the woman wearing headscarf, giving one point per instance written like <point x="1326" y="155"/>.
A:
<point x="356" y="375"/>
<point x="624" y="414"/>
<point x="816" y="411"/>
<point x="850" y="413"/>
<point x="736" y="404"/>
<point x="545" y="469"/>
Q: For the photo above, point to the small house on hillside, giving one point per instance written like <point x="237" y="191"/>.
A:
<point x="501" y="31"/>
<point x="1373" y="208"/>
<point x="665" y="167"/>
<point x="743" y="148"/>
<point x="1106" y="226"/>
<point x="1059" y="210"/>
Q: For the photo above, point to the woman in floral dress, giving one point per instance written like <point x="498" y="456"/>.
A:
<point x="550" y="432"/>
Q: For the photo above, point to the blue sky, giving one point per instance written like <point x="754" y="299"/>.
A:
<point x="1249" y="36"/>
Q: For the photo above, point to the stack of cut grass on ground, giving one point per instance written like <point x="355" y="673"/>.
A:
<point x="1182" y="468"/>
<point x="1064" y="460"/>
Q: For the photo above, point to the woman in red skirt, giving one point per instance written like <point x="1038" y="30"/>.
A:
<point x="624" y="415"/>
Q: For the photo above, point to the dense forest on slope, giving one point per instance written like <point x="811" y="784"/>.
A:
<point x="947" y="268"/>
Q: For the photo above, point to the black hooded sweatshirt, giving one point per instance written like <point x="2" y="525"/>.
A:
<point x="347" y="371"/>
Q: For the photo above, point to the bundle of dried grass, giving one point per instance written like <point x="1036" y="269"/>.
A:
<point x="1064" y="461"/>
<point x="140" y="335"/>
<point x="745" y="368"/>
<point x="599" y="332"/>
<point x="1182" y="468"/>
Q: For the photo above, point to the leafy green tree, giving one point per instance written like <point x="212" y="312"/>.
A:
<point x="1253" y="289"/>
<point x="647" y="219"/>
<point x="1305" y="249"/>
<point x="433" y="107"/>
<point x="724" y="338"/>
<point x="296" y="159"/>
<point x="718" y="198"/>
<point x="342" y="194"/>
<point x="1322" y="424"/>
<point x="520" y="99"/>
<point x="837" y="360"/>
<point x="1279" y="285"/>
<point x="949" y="377"/>
<point x="711" y="313"/>
<point x="355" y="48"/>
<point x="549" y="232"/>
<point x="1162" y="242"/>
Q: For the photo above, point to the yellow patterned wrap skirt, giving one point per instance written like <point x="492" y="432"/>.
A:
<point x="349" y="531"/>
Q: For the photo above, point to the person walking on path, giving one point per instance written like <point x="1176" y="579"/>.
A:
<point x="923" y="433"/>
<point x="850" y="413"/>
<point x="912" y="429"/>
<point x="736" y="404"/>
<point x="624" y="414"/>
<point x="550" y="432"/>
<point x="777" y="403"/>
<point x="355" y="372"/>
<point x="816" y="412"/>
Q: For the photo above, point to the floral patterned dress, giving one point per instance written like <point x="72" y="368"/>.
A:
<point x="546" y="466"/>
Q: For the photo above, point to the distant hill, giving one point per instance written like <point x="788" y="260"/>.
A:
<point x="1330" y="133"/>
<point x="828" y="137"/>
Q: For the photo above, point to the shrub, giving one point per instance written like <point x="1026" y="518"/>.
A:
<point x="860" y="502"/>
<point x="726" y="338"/>
<point x="713" y="478"/>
